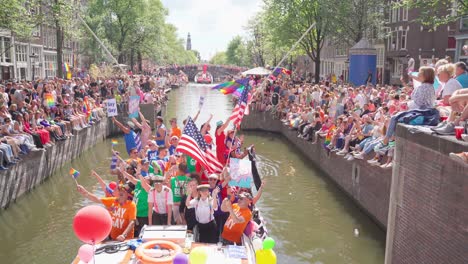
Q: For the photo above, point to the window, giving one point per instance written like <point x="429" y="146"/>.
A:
<point x="6" y="50"/>
<point x="21" y="53"/>
<point x="394" y="15"/>
<point x="398" y="11"/>
<point x="405" y="14"/>
<point x="397" y="68"/>
<point x="404" y="34"/>
<point x="380" y="57"/>
<point x="50" y="64"/>
<point x="464" y="23"/>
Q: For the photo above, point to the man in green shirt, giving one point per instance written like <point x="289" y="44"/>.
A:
<point x="178" y="187"/>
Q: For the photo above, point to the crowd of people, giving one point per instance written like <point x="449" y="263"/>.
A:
<point x="158" y="185"/>
<point x="34" y="115"/>
<point x="360" y="122"/>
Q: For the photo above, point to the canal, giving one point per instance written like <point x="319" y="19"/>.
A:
<point x="310" y="219"/>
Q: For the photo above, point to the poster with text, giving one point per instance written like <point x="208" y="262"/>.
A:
<point x="111" y="108"/>
<point x="241" y="173"/>
<point x="133" y="106"/>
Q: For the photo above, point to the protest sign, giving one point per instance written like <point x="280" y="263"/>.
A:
<point x="133" y="106"/>
<point x="241" y="173"/>
<point x="111" y="108"/>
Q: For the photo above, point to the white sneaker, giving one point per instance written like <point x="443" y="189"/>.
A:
<point x="390" y="165"/>
<point x="371" y="161"/>
<point x="342" y="153"/>
<point x="359" y="156"/>
<point x="350" y="158"/>
<point x="347" y="156"/>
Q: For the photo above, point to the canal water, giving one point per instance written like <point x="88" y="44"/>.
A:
<point x="310" y="219"/>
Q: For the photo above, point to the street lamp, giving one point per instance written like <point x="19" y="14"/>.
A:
<point x="33" y="58"/>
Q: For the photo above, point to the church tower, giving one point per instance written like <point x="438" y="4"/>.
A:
<point x="189" y="42"/>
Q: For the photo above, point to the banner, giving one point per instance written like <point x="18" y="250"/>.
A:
<point x="201" y="102"/>
<point x="241" y="173"/>
<point x="111" y="108"/>
<point x="133" y="106"/>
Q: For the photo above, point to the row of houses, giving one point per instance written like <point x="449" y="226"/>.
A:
<point x="403" y="37"/>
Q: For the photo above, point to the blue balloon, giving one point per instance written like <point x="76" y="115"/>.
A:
<point x="180" y="258"/>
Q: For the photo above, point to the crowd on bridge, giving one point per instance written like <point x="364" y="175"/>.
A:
<point x="359" y="122"/>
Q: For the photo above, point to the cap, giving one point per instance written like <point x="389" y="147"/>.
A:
<point x="174" y="137"/>
<point x="203" y="186"/>
<point x="144" y="161"/>
<point x="213" y="176"/>
<point x="156" y="178"/>
<point x="245" y="195"/>
<point x="219" y="123"/>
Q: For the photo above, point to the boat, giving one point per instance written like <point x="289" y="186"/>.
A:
<point x="204" y="76"/>
<point x="175" y="85"/>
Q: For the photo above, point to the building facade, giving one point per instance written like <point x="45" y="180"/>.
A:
<point x="461" y="37"/>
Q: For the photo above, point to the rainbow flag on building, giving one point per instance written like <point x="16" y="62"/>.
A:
<point x="74" y="173"/>
<point x="49" y="99"/>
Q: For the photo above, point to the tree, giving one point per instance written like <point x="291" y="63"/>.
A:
<point x="289" y="19"/>
<point x="436" y="12"/>
<point x="20" y="16"/>
<point x="219" y="58"/>
<point x="197" y="54"/>
<point x="236" y="53"/>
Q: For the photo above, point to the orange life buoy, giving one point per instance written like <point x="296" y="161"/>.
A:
<point x="140" y="254"/>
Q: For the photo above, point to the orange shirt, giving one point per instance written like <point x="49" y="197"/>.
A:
<point x="233" y="231"/>
<point x="121" y="216"/>
<point x="176" y="132"/>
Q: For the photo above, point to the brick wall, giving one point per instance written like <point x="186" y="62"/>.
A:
<point x="428" y="218"/>
<point x="368" y="186"/>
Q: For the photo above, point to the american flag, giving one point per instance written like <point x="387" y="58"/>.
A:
<point x="239" y="110"/>
<point x="193" y="144"/>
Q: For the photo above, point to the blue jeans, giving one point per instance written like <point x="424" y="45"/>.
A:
<point x="369" y="147"/>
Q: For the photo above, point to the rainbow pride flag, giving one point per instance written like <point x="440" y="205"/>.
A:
<point x="232" y="86"/>
<point x="114" y="142"/>
<point x="66" y="67"/>
<point x="49" y="99"/>
<point x="74" y="173"/>
<point x="277" y="71"/>
<point x="329" y="135"/>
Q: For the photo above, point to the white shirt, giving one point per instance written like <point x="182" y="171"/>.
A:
<point x="450" y="87"/>
<point x="203" y="210"/>
<point x="361" y="100"/>
<point x="163" y="199"/>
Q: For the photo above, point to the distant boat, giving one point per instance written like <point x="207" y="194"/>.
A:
<point x="204" y="76"/>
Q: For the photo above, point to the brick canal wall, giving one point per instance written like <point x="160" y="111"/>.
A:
<point x="428" y="217"/>
<point x="38" y="166"/>
<point x="368" y="186"/>
<point x="422" y="203"/>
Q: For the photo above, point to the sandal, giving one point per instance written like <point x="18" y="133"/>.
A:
<point x="460" y="157"/>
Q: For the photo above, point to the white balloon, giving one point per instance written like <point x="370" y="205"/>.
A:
<point x="257" y="243"/>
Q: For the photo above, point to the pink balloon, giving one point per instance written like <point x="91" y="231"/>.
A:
<point x="92" y="224"/>
<point x="86" y="253"/>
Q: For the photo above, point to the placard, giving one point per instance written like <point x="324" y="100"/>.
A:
<point x="111" y="108"/>
<point x="133" y="106"/>
<point x="201" y="102"/>
<point x="241" y="173"/>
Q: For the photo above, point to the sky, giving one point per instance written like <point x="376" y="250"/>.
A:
<point x="211" y="23"/>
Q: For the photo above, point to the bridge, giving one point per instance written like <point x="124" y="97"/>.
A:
<point x="219" y="72"/>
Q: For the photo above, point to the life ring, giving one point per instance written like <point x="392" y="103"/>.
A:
<point x="140" y="252"/>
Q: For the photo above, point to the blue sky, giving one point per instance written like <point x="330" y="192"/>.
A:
<point x="211" y="23"/>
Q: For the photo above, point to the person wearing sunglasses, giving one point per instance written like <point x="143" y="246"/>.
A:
<point x="121" y="208"/>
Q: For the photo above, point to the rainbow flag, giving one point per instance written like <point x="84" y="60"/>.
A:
<point x="66" y="67"/>
<point x="87" y="109"/>
<point x="278" y="71"/>
<point x="49" y="99"/>
<point x="114" y="142"/>
<point x="329" y="135"/>
<point x="232" y="86"/>
<point x="74" y="173"/>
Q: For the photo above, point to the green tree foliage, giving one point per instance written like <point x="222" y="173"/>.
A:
<point x="135" y="29"/>
<point x="236" y="53"/>
<point x="19" y="16"/>
<point x="437" y="12"/>
<point x="289" y="19"/>
<point x="219" y="58"/>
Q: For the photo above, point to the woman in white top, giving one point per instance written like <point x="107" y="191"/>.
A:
<point x="205" y="206"/>
<point x="159" y="203"/>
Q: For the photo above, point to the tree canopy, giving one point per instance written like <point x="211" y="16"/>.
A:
<point x="437" y="12"/>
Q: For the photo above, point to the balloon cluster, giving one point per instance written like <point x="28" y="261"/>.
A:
<point x="92" y="224"/>
<point x="266" y="255"/>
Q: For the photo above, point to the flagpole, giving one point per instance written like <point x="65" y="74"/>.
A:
<point x="294" y="46"/>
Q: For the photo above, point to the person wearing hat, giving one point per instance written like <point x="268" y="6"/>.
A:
<point x="205" y="206"/>
<point x="172" y="144"/>
<point x="121" y="208"/>
<point x="129" y="135"/>
<point x="160" y="131"/>
<point x="215" y="188"/>
<point x="160" y="202"/>
<point x="239" y="216"/>
<point x="152" y="150"/>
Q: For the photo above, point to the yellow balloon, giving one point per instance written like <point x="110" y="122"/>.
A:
<point x="198" y="256"/>
<point x="265" y="256"/>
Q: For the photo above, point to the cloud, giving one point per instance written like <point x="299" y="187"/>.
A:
<point x="211" y="23"/>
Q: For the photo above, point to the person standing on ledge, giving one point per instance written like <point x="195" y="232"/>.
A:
<point x="129" y="135"/>
<point x="160" y="131"/>
<point x="121" y="208"/>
